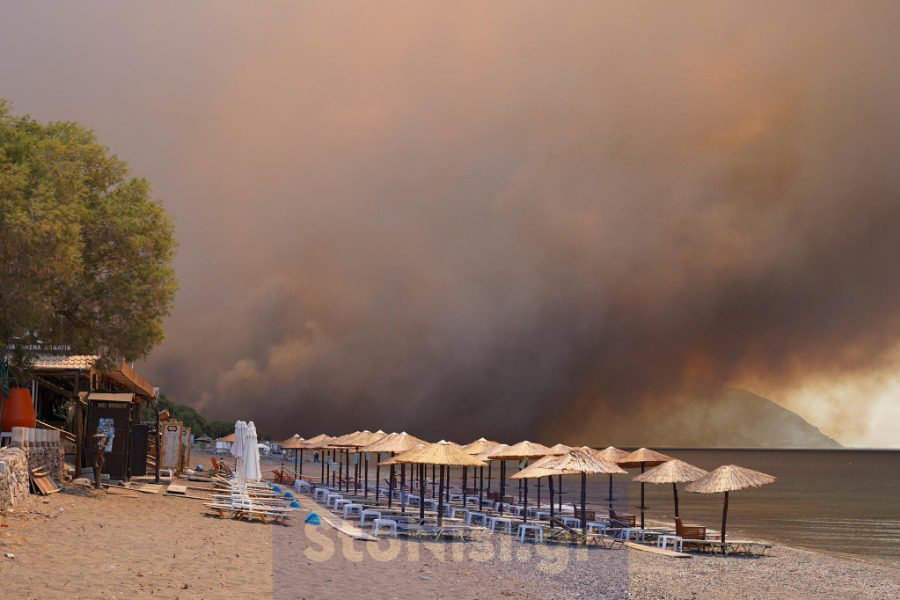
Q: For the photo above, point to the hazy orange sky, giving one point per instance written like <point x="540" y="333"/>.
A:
<point x="430" y="210"/>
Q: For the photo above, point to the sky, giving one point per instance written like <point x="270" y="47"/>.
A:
<point x="524" y="216"/>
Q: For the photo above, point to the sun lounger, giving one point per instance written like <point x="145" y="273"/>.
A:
<point x="565" y="534"/>
<point x="622" y="520"/>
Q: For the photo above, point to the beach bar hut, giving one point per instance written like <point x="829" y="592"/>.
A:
<point x="642" y="457"/>
<point x="728" y="478"/>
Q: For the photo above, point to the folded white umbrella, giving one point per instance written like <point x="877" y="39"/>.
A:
<point x="252" y="469"/>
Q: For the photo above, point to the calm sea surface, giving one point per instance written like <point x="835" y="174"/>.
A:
<point x="838" y="501"/>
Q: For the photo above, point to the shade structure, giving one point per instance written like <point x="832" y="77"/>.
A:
<point x="643" y="458"/>
<point x="728" y="478"/>
<point x="672" y="471"/>
<point x="524" y="450"/>
<point x="613" y="455"/>
<point x="295" y="443"/>
<point x="478" y="446"/>
<point x="395" y="442"/>
<point x="443" y="454"/>
<point x="584" y="462"/>
<point x="318" y="442"/>
<point x="405" y="439"/>
<point x="559" y="449"/>
<point x="485" y="456"/>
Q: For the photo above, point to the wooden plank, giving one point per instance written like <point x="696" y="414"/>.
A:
<point x="175" y="488"/>
<point x="655" y="550"/>
<point x="124" y="492"/>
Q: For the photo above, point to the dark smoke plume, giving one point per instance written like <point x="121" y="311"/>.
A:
<point x="518" y="219"/>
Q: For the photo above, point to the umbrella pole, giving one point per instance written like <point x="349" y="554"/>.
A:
<point x="550" y="486"/>
<point x="465" y="480"/>
<point x="610" y="492"/>
<point x="357" y="467"/>
<point x="489" y="477"/>
<point x="340" y="474"/>
<point x="502" y="485"/>
<point x="525" y="504"/>
<point x="366" y="477"/>
<point x="583" y="502"/>
<point x="480" y="488"/>
<point x="447" y="492"/>
<point x="642" y="498"/>
<point x="422" y="493"/>
<point x="441" y="499"/>
<point x="539" y="493"/>
<point x="391" y="486"/>
<point x="675" y="493"/>
<point x="322" y="479"/>
<point x="559" y="481"/>
<point x="296" y="473"/>
<point x="377" y="475"/>
<point x="724" y="515"/>
<point x="403" y="487"/>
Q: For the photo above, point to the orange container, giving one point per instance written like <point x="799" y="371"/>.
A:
<point x="17" y="410"/>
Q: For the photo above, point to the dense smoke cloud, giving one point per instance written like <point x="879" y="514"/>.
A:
<point x="516" y="219"/>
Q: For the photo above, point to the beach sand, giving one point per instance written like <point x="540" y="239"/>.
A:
<point x="88" y="544"/>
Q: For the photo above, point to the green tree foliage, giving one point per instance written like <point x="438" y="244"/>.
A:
<point x="85" y="251"/>
<point x="191" y="418"/>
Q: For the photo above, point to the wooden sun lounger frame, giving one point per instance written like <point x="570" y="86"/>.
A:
<point x="565" y="534"/>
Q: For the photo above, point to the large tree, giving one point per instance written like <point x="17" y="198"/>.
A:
<point x="85" y="251"/>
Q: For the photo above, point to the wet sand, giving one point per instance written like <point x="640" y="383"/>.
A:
<point x="87" y="544"/>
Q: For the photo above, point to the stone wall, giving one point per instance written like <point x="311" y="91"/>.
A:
<point x="42" y="448"/>
<point x="14" y="479"/>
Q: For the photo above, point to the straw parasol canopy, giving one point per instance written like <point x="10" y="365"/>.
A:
<point x="611" y="454"/>
<point x="560" y="449"/>
<point x="295" y="442"/>
<point x="672" y="471"/>
<point x="479" y="446"/>
<point x="344" y="441"/>
<point x="318" y="442"/>
<point x="642" y="457"/>
<point x="487" y="454"/>
<point x="584" y="462"/>
<point x="728" y="478"/>
<point x="395" y="442"/>
<point x="443" y="454"/>
<point x="522" y="450"/>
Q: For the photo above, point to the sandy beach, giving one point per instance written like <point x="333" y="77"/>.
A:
<point x="87" y="544"/>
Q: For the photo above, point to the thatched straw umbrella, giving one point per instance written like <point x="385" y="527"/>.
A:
<point x="728" y="478"/>
<point x="363" y="440"/>
<point x="411" y="443"/>
<point x="613" y="455"/>
<point x="344" y="442"/>
<point x="473" y="449"/>
<point x="558" y="450"/>
<point x="319" y="442"/>
<point x="444" y="454"/>
<point x="524" y="450"/>
<point x="642" y="457"/>
<point x="585" y="463"/>
<point x="672" y="471"/>
<point x="392" y="443"/>
<point x="295" y="443"/>
<point x="486" y="456"/>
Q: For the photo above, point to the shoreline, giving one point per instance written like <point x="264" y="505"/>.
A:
<point x="87" y="544"/>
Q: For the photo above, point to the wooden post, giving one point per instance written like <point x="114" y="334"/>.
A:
<point x="441" y="499"/>
<point x="480" y="488"/>
<point x="489" y="462"/>
<point x="433" y="481"/>
<point x="391" y="486"/>
<point x="675" y="492"/>
<point x="403" y="487"/>
<point x="642" y="498"/>
<point x="422" y="495"/>
<point x="550" y="490"/>
<point x="448" y="485"/>
<point x="610" y="493"/>
<point x="559" y="481"/>
<point x="724" y="516"/>
<point x="525" y="505"/>
<point x="584" y="502"/>
<point x="377" y="475"/>
<point x="465" y="482"/>
<point x="158" y="443"/>
<point x="502" y="484"/>
<point x="322" y="458"/>
<point x="366" y="478"/>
